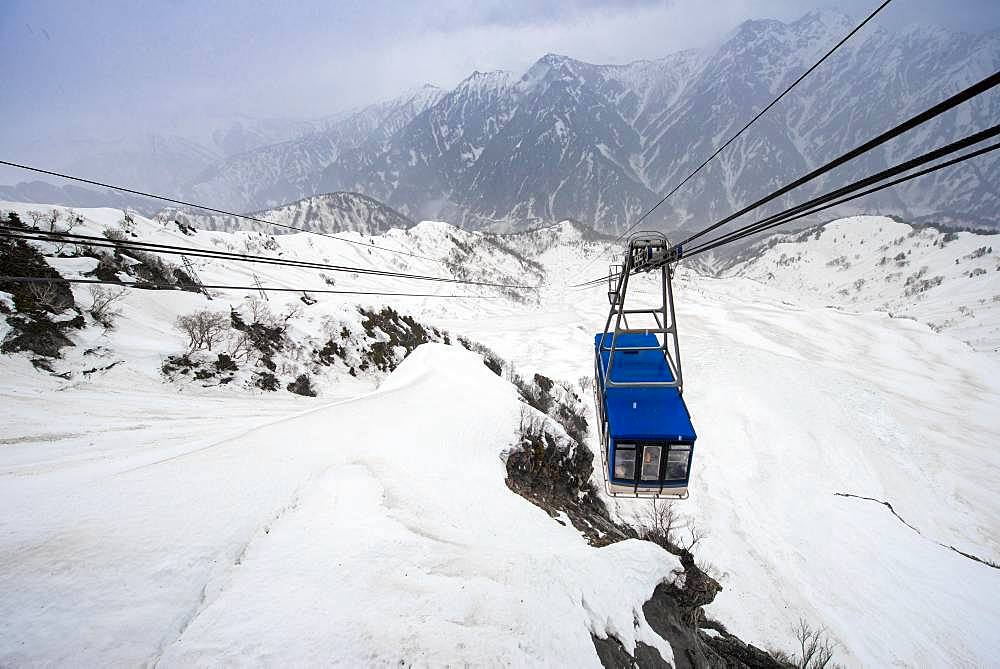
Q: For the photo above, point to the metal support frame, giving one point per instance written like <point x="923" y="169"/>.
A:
<point x="645" y="252"/>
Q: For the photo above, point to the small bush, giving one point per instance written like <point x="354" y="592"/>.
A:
<point x="264" y="334"/>
<point x="203" y="328"/>
<point x="103" y="301"/>
<point x="114" y="234"/>
<point x="329" y="353"/>
<point x="816" y="649"/>
<point x="302" y="385"/>
<point x="493" y="364"/>
<point x="225" y="363"/>
<point x="266" y="381"/>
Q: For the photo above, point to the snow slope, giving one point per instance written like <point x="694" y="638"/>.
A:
<point x="378" y="529"/>
<point x="948" y="280"/>
<point x="794" y="403"/>
<point x="332" y="536"/>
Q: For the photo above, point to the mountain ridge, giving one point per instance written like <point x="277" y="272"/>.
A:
<point x="601" y="143"/>
<point x="326" y="213"/>
<point x="598" y="143"/>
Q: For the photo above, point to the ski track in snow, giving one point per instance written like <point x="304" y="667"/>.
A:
<point x="148" y="523"/>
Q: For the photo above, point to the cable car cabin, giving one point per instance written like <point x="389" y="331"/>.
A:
<point x="647" y="433"/>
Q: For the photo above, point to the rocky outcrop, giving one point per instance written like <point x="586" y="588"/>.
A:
<point x="553" y="470"/>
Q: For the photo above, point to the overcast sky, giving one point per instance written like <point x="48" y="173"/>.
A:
<point x="111" y="68"/>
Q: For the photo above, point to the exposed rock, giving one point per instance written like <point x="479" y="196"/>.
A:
<point x="553" y="470"/>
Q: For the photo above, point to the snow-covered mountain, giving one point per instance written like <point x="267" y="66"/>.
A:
<point x="201" y="507"/>
<point x="334" y="212"/>
<point x="948" y="280"/>
<point x="280" y="173"/>
<point x="597" y="143"/>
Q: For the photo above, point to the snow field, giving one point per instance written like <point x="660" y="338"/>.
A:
<point x="125" y="512"/>
<point x="333" y="537"/>
<point x="793" y="404"/>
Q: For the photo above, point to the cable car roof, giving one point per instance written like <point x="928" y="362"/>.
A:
<point x="643" y="413"/>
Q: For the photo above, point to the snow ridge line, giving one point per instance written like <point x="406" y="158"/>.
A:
<point x="887" y="505"/>
<point x="219" y="578"/>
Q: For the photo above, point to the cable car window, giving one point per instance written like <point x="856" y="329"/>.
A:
<point x="651" y="463"/>
<point x="677" y="462"/>
<point x="624" y="463"/>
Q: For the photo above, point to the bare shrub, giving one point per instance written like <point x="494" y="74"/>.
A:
<point x="203" y="328"/>
<point x="694" y="536"/>
<point x="661" y="524"/>
<point x="257" y="333"/>
<point x="658" y="522"/>
<point x="73" y="219"/>
<point x="48" y="296"/>
<point x="815" y="646"/>
<point x="127" y="223"/>
<point x="241" y="346"/>
<point x="114" y="234"/>
<point x="53" y="220"/>
<point x="259" y="312"/>
<point x="36" y="217"/>
<point x="103" y="304"/>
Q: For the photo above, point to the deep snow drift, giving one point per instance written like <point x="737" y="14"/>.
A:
<point x="146" y="520"/>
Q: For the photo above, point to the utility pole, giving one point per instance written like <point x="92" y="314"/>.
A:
<point x="189" y="268"/>
<point x="259" y="288"/>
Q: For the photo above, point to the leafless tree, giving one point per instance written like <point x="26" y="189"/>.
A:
<point x="259" y="311"/>
<point x="815" y="647"/>
<point x="47" y="295"/>
<point x="204" y="328"/>
<point x="53" y="219"/>
<point x="658" y="522"/>
<point x="103" y="304"/>
<point x="36" y="217"/>
<point x="694" y="535"/>
<point x="114" y="234"/>
<point x="73" y="219"/>
<point x="127" y="223"/>
<point x="241" y="345"/>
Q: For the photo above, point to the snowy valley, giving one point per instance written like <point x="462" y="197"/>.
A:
<point x="332" y="479"/>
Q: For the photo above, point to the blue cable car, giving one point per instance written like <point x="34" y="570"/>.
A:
<point x="647" y="438"/>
